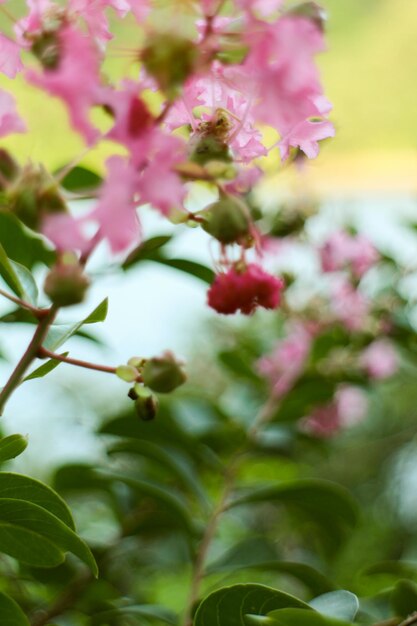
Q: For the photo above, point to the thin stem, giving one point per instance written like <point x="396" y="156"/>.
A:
<point x="411" y="619"/>
<point x="24" y="305"/>
<point x="27" y="358"/>
<point x="7" y="13"/>
<point x="43" y="353"/>
<point x="64" y="601"/>
<point x="228" y="486"/>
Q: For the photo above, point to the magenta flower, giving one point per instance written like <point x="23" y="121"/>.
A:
<point x="380" y="359"/>
<point x="245" y="291"/>
<point x="10" y="121"/>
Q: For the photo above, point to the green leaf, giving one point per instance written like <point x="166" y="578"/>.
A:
<point x="190" y="267"/>
<point x="60" y="333"/>
<point x="294" y="617"/>
<point x="404" y="598"/>
<point x="146" y="250"/>
<point x="169" y="458"/>
<point x="25" y="488"/>
<point x="227" y="606"/>
<point x="27" y="282"/>
<point x="21" y="244"/>
<point x="257" y="553"/>
<point x="25" y="526"/>
<point x="150" y="611"/>
<point x="44" y="369"/>
<point x="80" y="179"/>
<point x="163" y="496"/>
<point x="236" y="362"/>
<point x="11" y="613"/>
<point x="341" y="604"/>
<point x="9" y="275"/>
<point x="12" y="446"/>
<point x="330" y="506"/>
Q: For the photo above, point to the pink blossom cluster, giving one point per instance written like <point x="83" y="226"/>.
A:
<point x="349" y="407"/>
<point x="250" y="63"/>
<point x="344" y="251"/>
<point x="283" y="367"/>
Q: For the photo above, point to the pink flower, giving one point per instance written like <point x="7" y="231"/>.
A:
<point x="10" y="121"/>
<point x="159" y="184"/>
<point x="342" y="250"/>
<point x="94" y="13"/>
<point x="349" y="305"/>
<point x="33" y="22"/>
<point x="10" y="63"/>
<point x="283" y="367"/>
<point x="244" y="291"/>
<point x="306" y="136"/>
<point x="286" y="80"/>
<point x="348" y="408"/>
<point x="75" y="80"/>
<point x="116" y="208"/>
<point x="113" y="219"/>
<point x="65" y="232"/>
<point x="380" y="359"/>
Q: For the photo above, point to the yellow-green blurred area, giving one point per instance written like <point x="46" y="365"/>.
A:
<point x="369" y="73"/>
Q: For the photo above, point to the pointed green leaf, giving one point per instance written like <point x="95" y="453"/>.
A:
<point x="27" y="282"/>
<point x="80" y="180"/>
<point x="44" y="369"/>
<point x="330" y="506"/>
<point x="169" y="500"/>
<point x="12" y="446"/>
<point x="25" y="488"/>
<point x="189" y="267"/>
<point x="150" y="611"/>
<point x="21" y="244"/>
<point x="60" y="333"/>
<point x="146" y="250"/>
<point x="170" y="458"/>
<point x="339" y="604"/>
<point x="227" y="606"/>
<point x="18" y="516"/>
<point x="8" y="274"/>
<point x="11" y="613"/>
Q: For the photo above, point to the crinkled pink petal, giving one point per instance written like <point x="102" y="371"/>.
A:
<point x="10" y="63"/>
<point x="10" y="121"/>
<point x="306" y="137"/>
<point x="116" y="209"/>
<point x="66" y="232"/>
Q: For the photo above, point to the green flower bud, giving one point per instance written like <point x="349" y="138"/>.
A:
<point x="208" y="148"/>
<point x="34" y="195"/>
<point x="66" y="284"/>
<point x="127" y="373"/>
<point x="146" y="404"/>
<point x="170" y="59"/>
<point x="227" y="220"/>
<point x="163" y="374"/>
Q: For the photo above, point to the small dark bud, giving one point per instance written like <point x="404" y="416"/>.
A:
<point x="9" y="169"/>
<point x="227" y="220"/>
<point x="163" y="374"/>
<point x="46" y="49"/>
<point x="146" y="406"/>
<point x="170" y="59"/>
<point x="66" y="284"/>
<point x="312" y="11"/>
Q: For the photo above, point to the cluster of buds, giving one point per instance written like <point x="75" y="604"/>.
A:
<point x="161" y="374"/>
